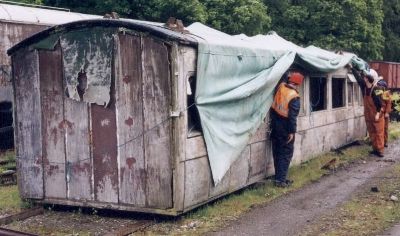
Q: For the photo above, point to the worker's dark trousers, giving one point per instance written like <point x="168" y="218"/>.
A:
<point x="282" y="154"/>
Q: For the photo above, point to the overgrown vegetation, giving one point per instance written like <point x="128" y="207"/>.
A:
<point x="396" y="101"/>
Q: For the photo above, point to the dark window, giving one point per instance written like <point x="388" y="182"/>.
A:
<point x="317" y="93"/>
<point x="194" y="125"/>
<point x="338" y="92"/>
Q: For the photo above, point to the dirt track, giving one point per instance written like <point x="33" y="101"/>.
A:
<point x="294" y="211"/>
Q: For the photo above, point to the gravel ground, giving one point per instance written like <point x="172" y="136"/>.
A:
<point x="293" y="212"/>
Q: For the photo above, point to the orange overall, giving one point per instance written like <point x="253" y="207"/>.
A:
<point x="375" y="128"/>
<point x="386" y="107"/>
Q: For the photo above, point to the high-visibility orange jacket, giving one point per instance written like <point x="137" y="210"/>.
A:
<point x="282" y="98"/>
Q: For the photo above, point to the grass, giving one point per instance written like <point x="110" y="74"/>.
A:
<point x="364" y="214"/>
<point x="10" y="202"/>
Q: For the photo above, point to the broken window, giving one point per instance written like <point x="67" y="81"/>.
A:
<point x="194" y="125"/>
<point x="350" y="96"/>
<point x="360" y="97"/>
<point x="338" y="92"/>
<point x="317" y="93"/>
<point x="6" y="126"/>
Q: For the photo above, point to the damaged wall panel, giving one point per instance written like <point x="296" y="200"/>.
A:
<point x="89" y="51"/>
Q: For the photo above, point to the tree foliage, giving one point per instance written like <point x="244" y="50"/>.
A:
<point x="351" y="25"/>
<point x="391" y="30"/>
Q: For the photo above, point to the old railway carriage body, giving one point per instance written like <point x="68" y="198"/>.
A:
<point x="104" y="118"/>
<point x="16" y="24"/>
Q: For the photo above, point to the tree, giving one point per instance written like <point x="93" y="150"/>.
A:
<point x="391" y="30"/>
<point x="351" y="25"/>
<point x="238" y="16"/>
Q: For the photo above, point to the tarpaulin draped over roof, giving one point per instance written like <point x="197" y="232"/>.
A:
<point x="236" y="76"/>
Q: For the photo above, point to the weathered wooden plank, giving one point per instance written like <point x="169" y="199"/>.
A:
<point x="261" y="134"/>
<point x="130" y="121"/>
<point x="28" y="123"/>
<point x="51" y="75"/>
<point x="178" y="137"/>
<point x="222" y="186"/>
<point x="195" y="147"/>
<point x="156" y="101"/>
<point x="183" y="61"/>
<point x="258" y="161"/>
<point x="197" y="181"/>
<point x="21" y="215"/>
<point x="78" y="155"/>
<point x="104" y="142"/>
<point x="240" y="170"/>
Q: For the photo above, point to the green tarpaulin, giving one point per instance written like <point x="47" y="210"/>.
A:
<point x="236" y="76"/>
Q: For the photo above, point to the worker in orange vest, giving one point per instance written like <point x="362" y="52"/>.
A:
<point x="373" y="112"/>
<point x="284" y="112"/>
<point x="386" y="108"/>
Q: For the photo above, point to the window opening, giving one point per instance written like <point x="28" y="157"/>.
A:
<point x="6" y="126"/>
<point x="317" y="93"/>
<point x="82" y="84"/>
<point x="194" y="124"/>
<point x="360" y="96"/>
<point x="300" y="90"/>
<point x="350" y="96"/>
<point x="338" y="92"/>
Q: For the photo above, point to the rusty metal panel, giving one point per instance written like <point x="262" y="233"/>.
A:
<point x="28" y="124"/>
<point x="51" y="76"/>
<point x="390" y="71"/>
<point x="78" y="153"/>
<point x="156" y="110"/>
<point x="104" y="144"/>
<point x="104" y="138"/>
<point x="130" y="121"/>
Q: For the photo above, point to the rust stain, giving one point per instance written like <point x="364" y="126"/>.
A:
<point x="127" y="79"/>
<point x="129" y="121"/>
<point x="130" y="161"/>
<point x="54" y="134"/>
<point x="41" y="161"/>
<point x="36" y="170"/>
<point x="66" y="125"/>
<point x="77" y="167"/>
<point x="53" y="170"/>
<point x="122" y="174"/>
